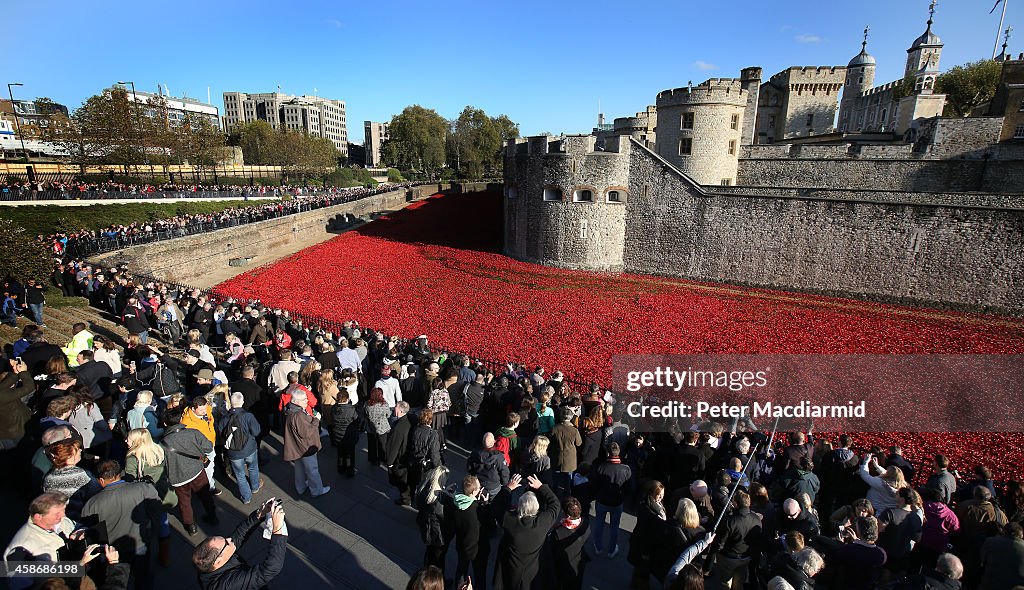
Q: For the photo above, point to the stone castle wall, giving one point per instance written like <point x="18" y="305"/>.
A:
<point x="946" y="254"/>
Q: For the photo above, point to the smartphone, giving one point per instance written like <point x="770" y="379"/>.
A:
<point x="132" y="365"/>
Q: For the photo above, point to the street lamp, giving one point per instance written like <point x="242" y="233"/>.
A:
<point x="17" y="123"/>
<point x="138" y="120"/>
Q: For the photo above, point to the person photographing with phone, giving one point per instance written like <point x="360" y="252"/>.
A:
<point x="221" y="568"/>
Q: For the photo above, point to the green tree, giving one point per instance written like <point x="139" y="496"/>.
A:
<point x="476" y="141"/>
<point x="21" y="256"/>
<point x="258" y="141"/>
<point x="417" y="141"/>
<point x="968" y="86"/>
<point x="394" y="175"/>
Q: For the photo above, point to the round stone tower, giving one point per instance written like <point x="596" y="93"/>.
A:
<point x="860" y="77"/>
<point x="565" y="201"/>
<point x="700" y="129"/>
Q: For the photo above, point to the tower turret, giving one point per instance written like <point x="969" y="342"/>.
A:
<point x="860" y="77"/>
<point x="923" y="57"/>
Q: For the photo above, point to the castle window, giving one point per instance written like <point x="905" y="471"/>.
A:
<point x="583" y="229"/>
<point x="687" y="121"/>
<point x="732" y="147"/>
<point x="771" y="121"/>
<point x="860" y="80"/>
<point x="726" y="182"/>
<point x="884" y="113"/>
<point x="583" y="196"/>
<point x="614" y="196"/>
<point x="810" y="120"/>
<point x="735" y="123"/>
<point x="552" y="194"/>
<point x="685" y="146"/>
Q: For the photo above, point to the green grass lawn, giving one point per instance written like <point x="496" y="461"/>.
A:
<point x="45" y="219"/>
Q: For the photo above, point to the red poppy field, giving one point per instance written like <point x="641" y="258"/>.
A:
<point x="436" y="268"/>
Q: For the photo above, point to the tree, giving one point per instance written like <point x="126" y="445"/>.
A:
<point x="105" y="130"/>
<point x="21" y="256"/>
<point x="198" y="141"/>
<point x="258" y="141"/>
<point x="968" y="86"/>
<point x="416" y="140"/>
<point x="476" y="142"/>
<point x="394" y="175"/>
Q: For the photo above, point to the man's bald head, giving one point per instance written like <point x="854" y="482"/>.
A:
<point x="489" y="440"/>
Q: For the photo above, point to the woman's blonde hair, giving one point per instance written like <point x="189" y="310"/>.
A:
<point x="687" y="515"/>
<point x="146" y="452"/>
<point x="539" y="446"/>
<point x="144" y="398"/>
<point x="434" y="482"/>
<point x="194" y="336"/>
<point x="894" y="477"/>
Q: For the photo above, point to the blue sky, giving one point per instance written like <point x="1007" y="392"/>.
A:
<point x="546" y="64"/>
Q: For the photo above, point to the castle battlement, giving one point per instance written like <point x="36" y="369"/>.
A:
<point x="716" y="90"/>
<point x="882" y="88"/>
<point x="567" y="145"/>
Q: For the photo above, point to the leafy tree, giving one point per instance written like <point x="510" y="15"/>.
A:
<point x="21" y="256"/>
<point x="394" y="175"/>
<point x="258" y="142"/>
<point x="476" y="141"/>
<point x="968" y="86"/>
<point x="416" y="141"/>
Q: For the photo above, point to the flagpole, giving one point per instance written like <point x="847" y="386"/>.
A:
<point x="999" y="31"/>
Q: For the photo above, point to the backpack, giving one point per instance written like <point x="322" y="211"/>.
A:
<point x="236" y="437"/>
<point x="164" y="382"/>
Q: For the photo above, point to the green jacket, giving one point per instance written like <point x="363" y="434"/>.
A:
<point x="79" y="342"/>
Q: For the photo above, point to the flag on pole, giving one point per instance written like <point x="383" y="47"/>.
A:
<point x="998" y="2"/>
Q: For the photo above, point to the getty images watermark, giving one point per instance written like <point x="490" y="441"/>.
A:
<point x="886" y="393"/>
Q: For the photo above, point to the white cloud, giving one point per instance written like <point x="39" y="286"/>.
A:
<point x="705" y="66"/>
<point x="805" y="38"/>
<point x="334" y="23"/>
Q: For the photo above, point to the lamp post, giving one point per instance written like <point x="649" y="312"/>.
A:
<point x="138" y="120"/>
<point x="17" y="123"/>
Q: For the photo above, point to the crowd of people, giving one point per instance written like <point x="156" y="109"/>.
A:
<point x="72" y="189"/>
<point x="81" y="244"/>
<point x="551" y="468"/>
<point x="116" y="440"/>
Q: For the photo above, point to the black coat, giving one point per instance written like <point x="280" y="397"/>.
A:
<point x="489" y="467"/>
<point x="398" y="441"/>
<point x="739" y="535"/>
<point x="424" y="448"/>
<point x="648" y="534"/>
<point x="522" y="541"/>
<point x="237" y="574"/>
<point x="435" y="530"/>
<point x="345" y="425"/>
<point x="37" y="354"/>
<point x="568" y="549"/>
<point x="467" y="524"/>
<point x="97" y="376"/>
<point x="250" y="390"/>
